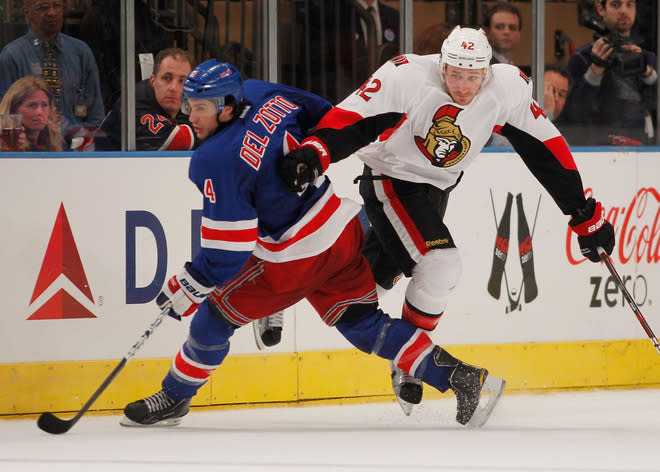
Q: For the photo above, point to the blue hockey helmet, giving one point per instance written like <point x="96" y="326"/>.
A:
<point x="212" y="80"/>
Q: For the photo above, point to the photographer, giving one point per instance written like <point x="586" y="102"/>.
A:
<point x="613" y="97"/>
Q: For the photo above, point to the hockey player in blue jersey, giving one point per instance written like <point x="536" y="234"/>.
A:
<point x="264" y="248"/>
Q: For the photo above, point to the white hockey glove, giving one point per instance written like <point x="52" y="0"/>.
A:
<point x="593" y="230"/>
<point x="183" y="293"/>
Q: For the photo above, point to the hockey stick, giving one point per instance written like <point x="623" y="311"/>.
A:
<point x="50" y="423"/>
<point x="608" y="262"/>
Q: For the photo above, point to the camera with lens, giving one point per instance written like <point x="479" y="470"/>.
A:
<point x="621" y="61"/>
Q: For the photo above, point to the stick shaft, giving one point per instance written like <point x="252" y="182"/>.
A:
<point x="54" y="425"/>
<point x="626" y="294"/>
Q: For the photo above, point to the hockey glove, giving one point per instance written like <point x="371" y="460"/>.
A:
<point x="593" y="230"/>
<point x="304" y="164"/>
<point x="183" y="293"/>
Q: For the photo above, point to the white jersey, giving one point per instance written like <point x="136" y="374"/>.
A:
<point x="437" y="139"/>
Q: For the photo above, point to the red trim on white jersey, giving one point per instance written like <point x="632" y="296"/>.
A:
<point x="338" y="118"/>
<point x="414" y="351"/>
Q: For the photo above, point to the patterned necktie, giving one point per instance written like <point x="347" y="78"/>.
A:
<point x="50" y="73"/>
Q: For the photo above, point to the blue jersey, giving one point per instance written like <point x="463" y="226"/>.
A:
<point x="247" y="209"/>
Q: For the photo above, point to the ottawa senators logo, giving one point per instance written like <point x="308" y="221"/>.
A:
<point x="444" y="144"/>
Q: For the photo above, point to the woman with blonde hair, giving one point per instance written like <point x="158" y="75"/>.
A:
<point x="31" y="97"/>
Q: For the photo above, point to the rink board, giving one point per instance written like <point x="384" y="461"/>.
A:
<point x="89" y="240"/>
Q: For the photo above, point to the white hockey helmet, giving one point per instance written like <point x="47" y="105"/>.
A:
<point x="467" y="48"/>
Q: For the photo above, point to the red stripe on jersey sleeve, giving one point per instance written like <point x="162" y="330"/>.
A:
<point x="240" y="235"/>
<point x="338" y="118"/>
<point x="559" y="148"/>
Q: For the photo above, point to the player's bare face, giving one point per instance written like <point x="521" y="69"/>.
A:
<point x="204" y="117"/>
<point x="463" y="84"/>
<point x="35" y="110"/>
<point x="168" y="83"/>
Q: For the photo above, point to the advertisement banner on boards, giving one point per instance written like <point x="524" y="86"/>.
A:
<point x="89" y="242"/>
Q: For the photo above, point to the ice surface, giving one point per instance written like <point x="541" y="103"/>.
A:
<point x="596" y="431"/>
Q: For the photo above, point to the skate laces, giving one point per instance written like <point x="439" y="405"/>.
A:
<point x="158" y="401"/>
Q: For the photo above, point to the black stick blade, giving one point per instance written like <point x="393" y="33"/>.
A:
<point x="50" y="423"/>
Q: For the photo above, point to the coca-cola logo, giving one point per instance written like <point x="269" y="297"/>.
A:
<point x="637" y="229"/>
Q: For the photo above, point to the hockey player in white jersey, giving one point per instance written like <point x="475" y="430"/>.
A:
<point x="447" y="107"/>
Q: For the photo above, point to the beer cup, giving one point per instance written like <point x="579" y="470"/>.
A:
<point x="11" y="127"/>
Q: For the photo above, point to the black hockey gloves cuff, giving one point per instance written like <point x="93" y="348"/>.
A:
<point x="304" y="164"/>
<point x="593" y="230"/>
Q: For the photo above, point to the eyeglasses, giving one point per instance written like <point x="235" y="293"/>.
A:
<point x="44" y="7"/>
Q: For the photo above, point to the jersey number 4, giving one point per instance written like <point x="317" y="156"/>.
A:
<point x="536" y="110"/>
<point x="208" y="190"/>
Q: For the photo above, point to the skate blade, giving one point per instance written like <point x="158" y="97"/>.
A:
<point x="491" y="391"/>
<point x="405" y="406"/>
<point x="257" y="336"/>
<point x="124" y="421"/>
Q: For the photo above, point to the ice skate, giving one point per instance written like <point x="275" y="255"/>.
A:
<point x="156" y="410"/>
<point x="268" y="330"/>
<point x="408" y="389"/>
<point x="477" y="393"/>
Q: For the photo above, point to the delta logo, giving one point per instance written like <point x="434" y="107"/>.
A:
<point x="62" y="268"/>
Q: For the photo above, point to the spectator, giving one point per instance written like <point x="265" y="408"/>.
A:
<point x="100" y="30"/>
<point x="66" y="64"/>
<point x="242" y="57"/>
<point x="503" y="27"/>
<point x="31" y="97"/>
<point x="556" y="83"/>
<point x="160" y="125"/>
<point x="555" y="90"/>
<point x="430" y="40"/>
<point x="610" y="103"/>
<point x="348" y="61"/>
